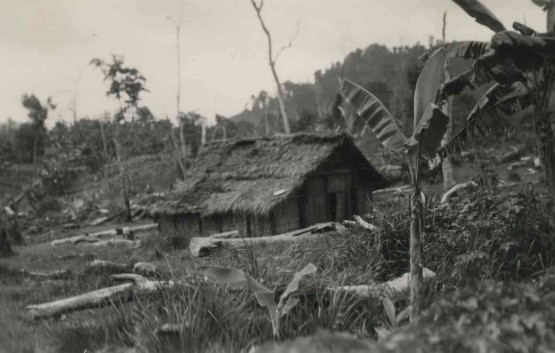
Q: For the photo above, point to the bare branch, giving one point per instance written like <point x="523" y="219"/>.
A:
<point x="271" y="62"/>
<point x="258" y="8"/>
<point x="291" y="41"/>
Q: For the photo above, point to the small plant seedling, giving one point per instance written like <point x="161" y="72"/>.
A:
<point x="394" y="321"/>
<point x="237" y="279"/>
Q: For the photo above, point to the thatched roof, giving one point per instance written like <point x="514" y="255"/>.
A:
<point x="242" y="175"/>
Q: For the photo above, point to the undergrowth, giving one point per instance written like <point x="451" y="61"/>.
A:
<point x="473" y="245"/>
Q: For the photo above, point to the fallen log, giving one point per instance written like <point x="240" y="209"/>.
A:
<point x="110" y="233"/>
<point x="114" y="242"/>
<point x="61" y="274"/>
<point x="145" y="267"/>
<point x="361" y="222"/>
<point x="99" y="221"/>
<point x="84" y="239"/>
<point x="112" y="295"/>
<point x="445" y="198"/>
<point x="103" y="263"/>
<point x="516" y="152"/>
<point x="226" y="235"/>
<point x="400" y="189"/>
<point x="391" y="289"/>
<point x="201" y="247"/>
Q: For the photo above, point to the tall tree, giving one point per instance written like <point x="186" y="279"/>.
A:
<point x="272" y="60"/>
<point x="125" y="84"/>
<point x="38" y="115"/>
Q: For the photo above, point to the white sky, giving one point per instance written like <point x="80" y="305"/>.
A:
<point x="45" y="45"/>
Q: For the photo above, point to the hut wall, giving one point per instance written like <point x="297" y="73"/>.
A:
<point x="287" y="216"/>
<point x="316" y="200"/>
<point x="167" y="225"/>
<point x="228" y="222"/>
<point x="242" y="224"/>
<point x="363" y="198"/>
<point x="179" y="226"/>
<point x="211" y="225"/>
<point x="261" y="226"/>
<point x="361" y="194"/>
<point x="187" y="226"/>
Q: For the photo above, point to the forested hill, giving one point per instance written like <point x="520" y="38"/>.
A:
<point x="389" y="73"/>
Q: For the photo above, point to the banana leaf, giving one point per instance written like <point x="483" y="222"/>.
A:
<point x="457" y="84"/>
<point x="461" y="50"/>
<point x="549" y="6"/>
<point x="528" y="53"/>
<point x="375" y="115"/>
<point x="495" y="105"/>
<point x="523" y="29"/>
<point x="481" y="14"/>
<point x="428" y="85"/>
<point x="428" y="133"/>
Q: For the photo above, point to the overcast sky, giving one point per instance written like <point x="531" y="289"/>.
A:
<point x="46" y="45"/>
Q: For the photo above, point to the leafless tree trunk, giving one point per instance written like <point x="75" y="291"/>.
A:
<point x="177" y="157"/>
<point x="266" y="122"/>
<point x="103" y="134"/>
<point x="272" y="62"/>
<point x="177" y="26"/>
<point x="104" y="145"/>
<point x="122" y="173"/>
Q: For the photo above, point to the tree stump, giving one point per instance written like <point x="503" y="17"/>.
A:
<point x="5" y="245"/>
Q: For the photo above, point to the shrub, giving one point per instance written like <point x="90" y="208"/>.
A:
<point x="492" y="235"/>
<point x="491" y="317"/>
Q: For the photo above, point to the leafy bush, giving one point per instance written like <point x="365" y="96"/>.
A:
<point x="492" y="235"/>
<point x="58" y="173"/>
<point x="492" y="317"/>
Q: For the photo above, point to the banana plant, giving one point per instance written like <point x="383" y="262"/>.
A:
<point x="430" y="124"/>
<point x="237" y="279"/>
<point x="521" y="63"/>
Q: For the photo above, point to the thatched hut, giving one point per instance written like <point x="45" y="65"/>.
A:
<point x="267" y="186"/>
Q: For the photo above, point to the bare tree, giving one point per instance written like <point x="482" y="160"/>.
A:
<point x="177" y="25"/>
<point x="272" y="62"/>
<point x="447" y="166"/>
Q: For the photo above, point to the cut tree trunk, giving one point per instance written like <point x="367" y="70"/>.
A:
<point x="202" y="247"/>
<point x="361" y="222"/>
<point x="116" y="265"/>
<point x="110" y="233"/>
<point x="103" y="297"/>
<point x="123" y="177"/>
<point x="393" y="289"/>
<point x="445" y="198"/>
<point x="114" y="242"/>
<point x="62" y="274"/>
